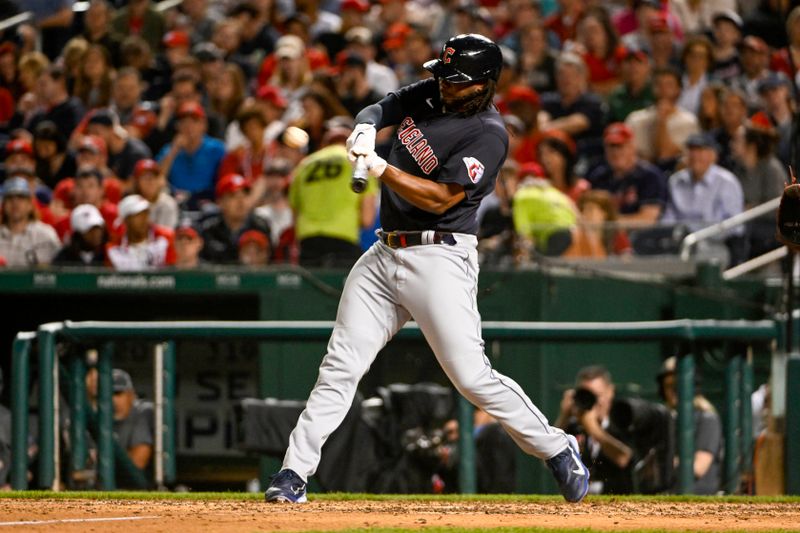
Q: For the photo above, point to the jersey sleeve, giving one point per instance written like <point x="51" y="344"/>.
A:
<point x="395" y="106"/>
<point x="477" y="159"/>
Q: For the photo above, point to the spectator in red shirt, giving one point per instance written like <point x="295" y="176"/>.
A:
<point x="88" y="189"/>
<point x="600" y="49"/>
<point x="143" y="245"/>
<point x="523" y="102"/>
<point x="787" y="60"/>
<point x="248" y="159"/>
<point x="564" y="22"/>
<point x="93" y="152"/>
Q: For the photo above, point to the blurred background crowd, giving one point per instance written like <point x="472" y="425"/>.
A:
<point x="142" y="135"/>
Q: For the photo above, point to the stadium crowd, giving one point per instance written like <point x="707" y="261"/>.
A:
<point x="139" y="136"/>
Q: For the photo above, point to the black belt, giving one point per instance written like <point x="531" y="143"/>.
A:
<point x="404" y="239"/>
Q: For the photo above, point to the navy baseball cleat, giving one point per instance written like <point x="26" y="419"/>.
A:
<point x="286" y="486"/>
<point x="571" y="474"/>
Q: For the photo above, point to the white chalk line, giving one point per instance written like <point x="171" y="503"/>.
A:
<point x="76" y="520"/>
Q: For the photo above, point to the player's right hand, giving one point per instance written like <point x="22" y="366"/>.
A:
<point x="376" y="165"/>
<point x="361" y="141"/>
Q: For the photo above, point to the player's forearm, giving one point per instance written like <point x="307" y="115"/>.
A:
<point x="367" y="211"/>
<point x="425" y="194"/>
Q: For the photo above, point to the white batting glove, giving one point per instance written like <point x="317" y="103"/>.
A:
<point x="361" y="141"/>
<point x="376" y="165"/>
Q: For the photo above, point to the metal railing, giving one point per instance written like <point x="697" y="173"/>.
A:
<point x="691" y="331"/>
<point x="719" y="228"/>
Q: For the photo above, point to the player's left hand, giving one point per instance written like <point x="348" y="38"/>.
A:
<point x="361" y="141"/>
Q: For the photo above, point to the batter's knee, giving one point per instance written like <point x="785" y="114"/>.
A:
<point x="351" y="352"/>
<point x="471" y="384"/>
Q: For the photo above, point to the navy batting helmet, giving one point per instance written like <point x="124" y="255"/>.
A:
<point x="467" y="57"/>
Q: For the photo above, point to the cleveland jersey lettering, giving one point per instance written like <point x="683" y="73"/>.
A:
<point x="417" y="145"/>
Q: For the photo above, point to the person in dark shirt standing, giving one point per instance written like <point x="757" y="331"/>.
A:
<point x="449" y="146"/>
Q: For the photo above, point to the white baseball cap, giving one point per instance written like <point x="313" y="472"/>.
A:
<point x="85" y="217"/>
<point x="131" y="205"/>
<point x="290" y="47"/>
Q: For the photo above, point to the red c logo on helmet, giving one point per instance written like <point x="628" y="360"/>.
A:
<point x="447" y="54"/>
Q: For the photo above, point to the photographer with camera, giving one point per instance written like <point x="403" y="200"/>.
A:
<point x="585" y="413"/>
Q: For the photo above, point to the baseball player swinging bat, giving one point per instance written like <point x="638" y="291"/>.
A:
<point x="448" y="148"/>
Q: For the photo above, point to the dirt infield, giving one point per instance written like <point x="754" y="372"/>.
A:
<point x="68" y="515"/>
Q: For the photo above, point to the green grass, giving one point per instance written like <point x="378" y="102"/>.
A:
<point x="341" y="496"/>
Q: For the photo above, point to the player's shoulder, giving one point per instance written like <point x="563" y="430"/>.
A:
<point x="491" y="122"/>
<point x="427" y="86"/>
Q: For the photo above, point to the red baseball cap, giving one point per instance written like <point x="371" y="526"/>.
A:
<point x="92" y="143"/>
<point x="760" y="121"/>
<point x="144" y="119"/>
<point x="19" y="146"/>
<point x="231" y="183"/>
<point x="253" y="235"/>
<point x="187" y="231"/>
<point x="522" y="93"/>
<point x="617" y="133"/>
<point x="634" y="53"/>
<point x="658" y="23"/>
<point x="271" y="94"/>
<point x="531" y="168"/>
<point x="175" y="38"/>
<point x="395" y="36"/>
<point x="561" y="137"/>
<point x="146" y="165"/>
<point x="356" y="5"/>
<point x="191" y="109"/>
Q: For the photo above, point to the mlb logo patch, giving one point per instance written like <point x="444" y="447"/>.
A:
<point x="474" y="169"/>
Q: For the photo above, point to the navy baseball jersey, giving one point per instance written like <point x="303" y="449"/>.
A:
<point x="644" y="184"/>
<point x="442" y="147"/>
